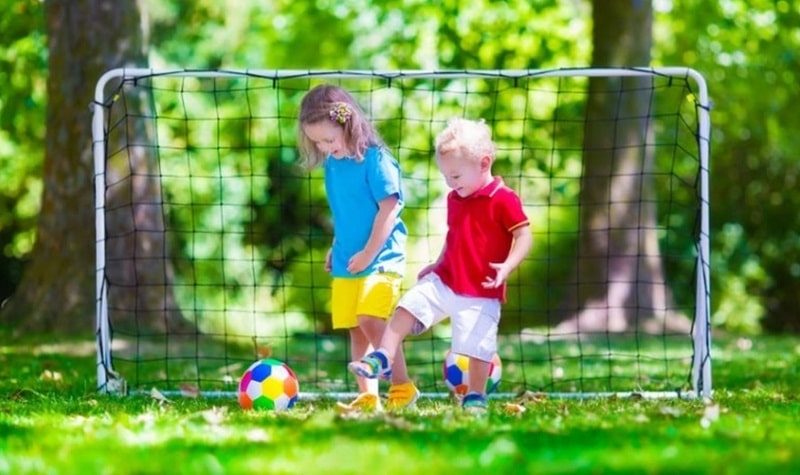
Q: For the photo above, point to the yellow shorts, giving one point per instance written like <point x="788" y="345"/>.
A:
<point x="374" y="295"/>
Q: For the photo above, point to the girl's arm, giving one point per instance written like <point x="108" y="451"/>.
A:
<point x="388" y="210"/>
<point x="328" y="256"/>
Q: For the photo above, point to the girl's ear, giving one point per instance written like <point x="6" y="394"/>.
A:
<point x="486" y="162"/>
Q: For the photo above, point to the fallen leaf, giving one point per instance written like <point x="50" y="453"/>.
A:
<point x="711" y="412"/>
<point x="530" y="396"/>
<point x="156" y="394"/>
<point x="214" y="416"/>
<point x="189" y="390"/>
<point x="48" y="375"/>
<point x="669" y="411"/>
<point x="264" y="351"/>
<point x="641" y="418"/>
<point x="343" y="408"/>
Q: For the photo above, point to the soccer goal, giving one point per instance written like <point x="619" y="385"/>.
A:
<point x="211" y="238"/>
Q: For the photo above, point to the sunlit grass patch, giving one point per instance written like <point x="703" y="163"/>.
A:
<point x="62" y="425"/>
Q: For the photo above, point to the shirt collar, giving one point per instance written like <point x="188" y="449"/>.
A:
<point x="487" y="191"/>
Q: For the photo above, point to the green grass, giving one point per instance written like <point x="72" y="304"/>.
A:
<point x="53" y="421"/>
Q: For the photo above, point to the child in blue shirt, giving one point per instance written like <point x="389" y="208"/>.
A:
<point x="367" y="257"/>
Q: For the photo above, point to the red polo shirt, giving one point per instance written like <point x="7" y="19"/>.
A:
<point x="479" y="232"/>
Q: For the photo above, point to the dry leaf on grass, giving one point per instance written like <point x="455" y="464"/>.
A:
<point x="530" y="396"/>
<point x="158" y="396"/>
<point x="48" y="375"/>
<point x="262" y="351"/>
<point x="189" y="390"/>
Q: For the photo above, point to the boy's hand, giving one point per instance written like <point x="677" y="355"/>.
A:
<point x="501" y="276"/>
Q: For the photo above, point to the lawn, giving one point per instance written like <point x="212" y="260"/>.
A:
<point x="53" y="421"/>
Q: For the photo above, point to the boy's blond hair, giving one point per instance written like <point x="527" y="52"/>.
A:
<point x="472" y="139"/>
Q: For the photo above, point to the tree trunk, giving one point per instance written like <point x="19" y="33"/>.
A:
<point x="139" y="269"/>
<point x="619" y="279"/>
<point x="57" y="290"/>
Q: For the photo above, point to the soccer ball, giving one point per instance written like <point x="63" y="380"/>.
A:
<point x="268" y="384"/>
<point x="456" y="373"/>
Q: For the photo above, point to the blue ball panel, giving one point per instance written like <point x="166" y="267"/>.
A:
<point x="455" y="375"/>
<point x="261" y="372"/>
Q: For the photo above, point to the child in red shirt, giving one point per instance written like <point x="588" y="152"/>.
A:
<point x="488" y="237"/>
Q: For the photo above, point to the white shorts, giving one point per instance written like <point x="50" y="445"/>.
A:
<point x="473" y="320"/>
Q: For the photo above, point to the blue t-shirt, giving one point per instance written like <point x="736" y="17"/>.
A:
<point x="354" y="190"/>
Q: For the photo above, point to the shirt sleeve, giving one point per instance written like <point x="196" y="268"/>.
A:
<point x="512" y="215"/>
<point x="383" y="175"/>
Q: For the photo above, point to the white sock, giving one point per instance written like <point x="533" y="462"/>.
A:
<point x="372" y="386"/>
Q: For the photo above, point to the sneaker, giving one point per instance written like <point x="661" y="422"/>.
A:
<point x="373" y="365"/>
<point x="402" y="396"/>
<point x="365" y="402"/>
<point x="475" y="403"/>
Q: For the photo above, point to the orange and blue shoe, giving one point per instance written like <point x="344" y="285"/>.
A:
<point x="373" y="365"/>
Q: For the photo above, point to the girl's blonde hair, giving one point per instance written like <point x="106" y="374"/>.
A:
<point x="332" y="103"/>
<point x="472" y="139"/>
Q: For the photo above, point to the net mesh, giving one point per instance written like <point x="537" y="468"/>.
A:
<point x="214" y="237"/>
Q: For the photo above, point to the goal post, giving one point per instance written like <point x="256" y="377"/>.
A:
<point x="210" y="239"/>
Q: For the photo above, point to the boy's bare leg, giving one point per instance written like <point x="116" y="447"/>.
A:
<point x="400" y="325"/>
<point x="478" y="375"/>
<point x="475" y="399"/>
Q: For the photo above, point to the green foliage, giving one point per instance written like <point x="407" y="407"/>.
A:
<point x="221" y="150"/>
<point x="407" y="34"/>
<point x="259" y="35"/>
<point x="748" y="53"/>
<point x="23" y="72"/>
<point x="739" y="311"/>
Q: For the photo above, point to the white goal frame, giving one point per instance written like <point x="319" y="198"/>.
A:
<point x="701" y="359"/>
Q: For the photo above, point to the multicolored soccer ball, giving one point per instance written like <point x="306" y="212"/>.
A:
<point x="268" y="384"/>
<point x="456" y="373"/>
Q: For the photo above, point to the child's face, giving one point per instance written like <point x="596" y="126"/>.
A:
<point x="328" y="137"/>
<point x="463" y="175"/>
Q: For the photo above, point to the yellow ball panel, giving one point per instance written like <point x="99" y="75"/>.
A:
<point x="272" y="387"/>
<point x="462" y="362"/>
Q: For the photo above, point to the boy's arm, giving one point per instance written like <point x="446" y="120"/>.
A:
<point x="522" y="244"/>
<point x="388" y="210"/>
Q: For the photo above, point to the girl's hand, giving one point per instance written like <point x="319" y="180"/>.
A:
<point x="328" y="266"/>
<point x="358" y="262"/>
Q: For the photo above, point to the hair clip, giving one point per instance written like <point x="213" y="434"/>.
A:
<point x="340" y="112"/>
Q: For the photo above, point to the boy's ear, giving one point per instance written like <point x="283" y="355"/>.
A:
<point x="486" y="162"/>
